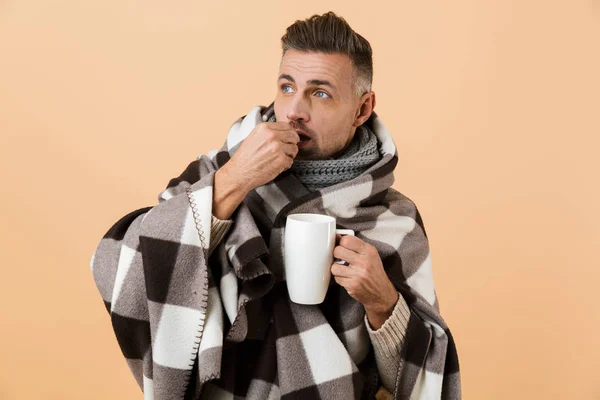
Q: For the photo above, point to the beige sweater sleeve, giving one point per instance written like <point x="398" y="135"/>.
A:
<point x="218" y="230"/>
<point x="387" y="343"/>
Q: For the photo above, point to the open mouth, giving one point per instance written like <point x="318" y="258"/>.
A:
<point x="304" y="139"/>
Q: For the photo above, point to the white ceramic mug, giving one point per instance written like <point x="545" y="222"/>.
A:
<point x="308" y="254"/>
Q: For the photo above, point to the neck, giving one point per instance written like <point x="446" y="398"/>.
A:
<point x="346" y="146"/>
<point x="361" y="153"/>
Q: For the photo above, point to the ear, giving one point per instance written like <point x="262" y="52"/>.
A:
<point x="366" y="106"/>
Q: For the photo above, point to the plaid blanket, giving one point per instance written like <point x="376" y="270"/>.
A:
<point x="192" y="326"/>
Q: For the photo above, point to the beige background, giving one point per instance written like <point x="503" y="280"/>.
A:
<point x="494" y="105"/>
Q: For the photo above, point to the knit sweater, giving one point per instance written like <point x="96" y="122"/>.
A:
<point x="387" y="340"/>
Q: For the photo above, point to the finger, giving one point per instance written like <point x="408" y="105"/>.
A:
<point x="355" y="244"/>
<point x="290" y="149"/>
<point x="342" y="280"/>
<point x="290" y="136"/>
<point x="284" y="133"/>
<point x="287" y="162"/>
<point x="344" y="271"/>
<point x="278" y="126"/>
<point x="346" y="254"/>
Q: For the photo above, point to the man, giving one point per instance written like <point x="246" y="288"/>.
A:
<point x="195" y="285"/>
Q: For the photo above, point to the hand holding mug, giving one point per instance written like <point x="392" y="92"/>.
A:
<point x="364" y="278"/>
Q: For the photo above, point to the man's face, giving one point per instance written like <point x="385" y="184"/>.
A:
<point x="317" y="92"/>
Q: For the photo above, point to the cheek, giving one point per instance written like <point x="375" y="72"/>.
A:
<point x="335" y="133"/>
<point x="280" y="107"/>
<point x="277" y="107"/>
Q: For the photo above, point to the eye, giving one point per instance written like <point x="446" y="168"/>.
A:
<point x="285" y="87"/>
<point x="322" y="95"/>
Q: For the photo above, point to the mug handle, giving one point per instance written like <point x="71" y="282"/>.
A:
<point x="342" y="232"/>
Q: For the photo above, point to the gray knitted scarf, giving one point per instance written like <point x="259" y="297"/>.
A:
<point x="362" y="153"/>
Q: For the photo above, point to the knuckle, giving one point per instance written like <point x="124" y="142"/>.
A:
<point x="344" y="241"/>
<point x="269" y="134"/>
<point x="283" y="162"/>
<point x="363" y="268"/>
<point x="261" y="128"/>
<point x="274" y="149"/>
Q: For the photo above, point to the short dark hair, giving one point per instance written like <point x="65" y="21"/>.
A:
<point x="329" y="33"/>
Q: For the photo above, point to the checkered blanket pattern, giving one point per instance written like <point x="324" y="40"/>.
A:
<point x="223" y="327"/>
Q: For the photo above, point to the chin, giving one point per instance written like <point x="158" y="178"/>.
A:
<point x="309" y="155"/>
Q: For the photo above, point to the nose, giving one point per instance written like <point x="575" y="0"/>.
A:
<point x="298" y="110"/>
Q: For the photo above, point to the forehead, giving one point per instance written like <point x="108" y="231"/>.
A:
<point x="303" y="66"/>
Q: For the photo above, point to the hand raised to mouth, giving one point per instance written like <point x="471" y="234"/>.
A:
<point x="302" y="132"/>
<point x="268" y="150"/>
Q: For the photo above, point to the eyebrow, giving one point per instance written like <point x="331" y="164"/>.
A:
<point x="316" y="82"/>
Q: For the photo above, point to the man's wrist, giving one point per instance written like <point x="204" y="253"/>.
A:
<point x="230" y="181"/>
<point x="378" y="314"/>
<point x="229" y="192"/>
